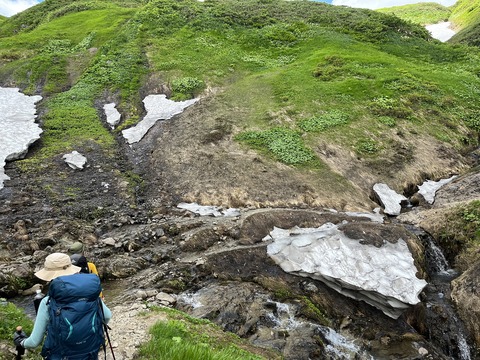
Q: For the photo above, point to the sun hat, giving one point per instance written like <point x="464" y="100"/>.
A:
<point x="56" y="264"/>
<point x="76" y="248"/>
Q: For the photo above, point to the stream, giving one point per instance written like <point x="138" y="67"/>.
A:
<point x="445" y="330"/>
<point x="450" y="335"/>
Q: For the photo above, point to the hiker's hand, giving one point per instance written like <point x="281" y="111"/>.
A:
<point x="19" y="336"/>
<point x="19" y="339"/>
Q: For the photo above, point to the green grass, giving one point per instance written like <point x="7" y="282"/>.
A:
<point x="295" y="75"/>
<point x="465" y="13"/>
<point x="11" y="317"/>
<point x="421" y="13"/>
<point x="71" y="119"/>
<point x="459" y="233"/>
<point x="182" y="337"/>
<point x="466" y="18"/>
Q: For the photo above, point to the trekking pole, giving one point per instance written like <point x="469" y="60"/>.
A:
<point x="106" y="327"/>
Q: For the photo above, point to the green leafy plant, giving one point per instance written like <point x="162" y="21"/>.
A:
<point x="367" y="146"/>
<point x="186" y="87"/>
<point x="284" y="144"/>
<point x="12" y="317"/>
<point x="472" y="119"/>
<point x="323" y="122"/>
<point x="471" y="215"/>
<point x="387" y="120"/>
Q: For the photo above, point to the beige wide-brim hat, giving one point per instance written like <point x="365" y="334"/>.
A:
<point x="56" y="264"/>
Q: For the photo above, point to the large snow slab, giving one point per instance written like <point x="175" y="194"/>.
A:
<point x="381" y="276"/>
<point x="18" y="129"/>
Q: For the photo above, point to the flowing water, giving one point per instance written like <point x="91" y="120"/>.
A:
<point x="445" y="327"/>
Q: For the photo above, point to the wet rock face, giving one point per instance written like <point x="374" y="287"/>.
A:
<point x="180" y="254"/>
<point x="466" y="296"/>
<point x="247" y="310"/>
<point x="258" y="225"/>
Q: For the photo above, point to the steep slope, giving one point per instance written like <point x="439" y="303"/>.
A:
<point x="465" y="13"/>
<point x="302" y="103"/>
<point x="423" y="13"/>
<point x="463" y="16"/>
<point x="466" y="17"/>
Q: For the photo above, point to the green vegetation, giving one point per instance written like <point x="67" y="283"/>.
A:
<point x="183" y="337"/>
<point x="311" y="311"/>
<point x="466" y="17"/>
<point x="459" y="233"/>
<point x="12" y="317"/>
<point x="186" y="88"/>
<point x="324" y="121"/>
<point x="464" y="223"/>
<point x="466" y="13"/>
<point x="421" y="13"/>
<point x="294" y="75"/>
<point x="286" y="145"/>
<point x="71" y="119"/>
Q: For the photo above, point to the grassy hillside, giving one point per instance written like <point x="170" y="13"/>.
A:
<point x="421" y="13"/>
<point x="466" y="13"/>
<point x="300" y="74"/>
<point x="466" y="17"/>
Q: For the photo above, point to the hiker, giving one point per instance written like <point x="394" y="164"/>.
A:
<point x="78" y="258"/>
<point x="72" y="315"/>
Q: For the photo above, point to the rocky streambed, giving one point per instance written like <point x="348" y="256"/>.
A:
<point x="219" y="268"/>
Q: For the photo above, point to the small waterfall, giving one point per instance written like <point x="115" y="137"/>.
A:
<point x="451" y="335"/>
<point x="337" y="346"/>
<point x="463" y="348"/>
<point x="190" y="299"/>
<point x="340" y="347"/>
<point x="437" y="259"/>
<point x="284" y="317"/>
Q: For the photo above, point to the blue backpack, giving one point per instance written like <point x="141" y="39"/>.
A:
<point x="75" y="329"/>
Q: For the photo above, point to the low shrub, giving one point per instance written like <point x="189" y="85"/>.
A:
<point x="186" y="87"/>
<point x="284" y="144"/>
<point x="367" y="146"/>
<point x="323" y="122"/>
